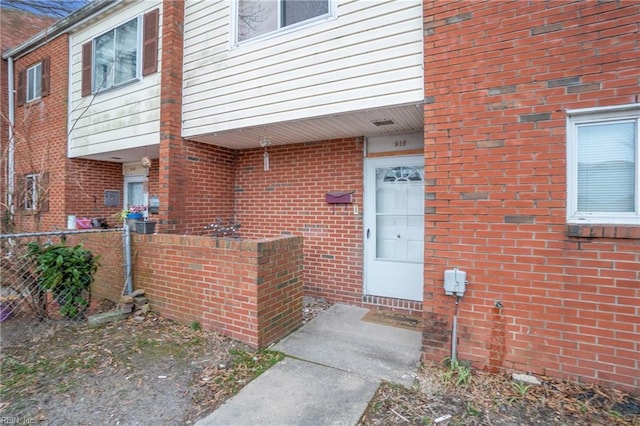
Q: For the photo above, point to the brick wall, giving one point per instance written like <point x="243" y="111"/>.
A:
<point x="210" y="172"/>
<point x="86" y="181"/>
<point x="289" y="199"/>
<point x="40" y="135"/>
<point x="247" y="290"/>
<point x="498" y="78"/>
<point x="172" y="179"/>
<point x="17" y="26"/>
<point x="110" y="277"/>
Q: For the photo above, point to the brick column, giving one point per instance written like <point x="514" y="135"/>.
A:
<point x="172" y="159"/>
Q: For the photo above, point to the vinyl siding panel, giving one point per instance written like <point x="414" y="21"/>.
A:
<point x="118" y="118"/>
<point x="368" y="55"/>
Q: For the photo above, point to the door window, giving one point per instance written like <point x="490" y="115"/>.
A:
<point x="399" y="213"/>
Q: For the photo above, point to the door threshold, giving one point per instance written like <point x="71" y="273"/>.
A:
<point x="411" y="307"/>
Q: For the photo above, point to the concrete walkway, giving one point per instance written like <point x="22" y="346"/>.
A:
<point x="333" y="367"/>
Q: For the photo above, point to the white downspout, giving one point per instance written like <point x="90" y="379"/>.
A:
<point x="11" y="153"/>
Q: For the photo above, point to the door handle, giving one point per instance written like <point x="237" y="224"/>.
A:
<point x="368" y="232"/>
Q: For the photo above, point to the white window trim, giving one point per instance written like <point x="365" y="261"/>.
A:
<point x="31" y="81"/>
<point x="138" y="76"/>
<point x="34" y="191"/>
<point x="233" y="24"/>
<point x="599" y="115"/>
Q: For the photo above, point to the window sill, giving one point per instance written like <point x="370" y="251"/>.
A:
<point x="604" y="231"/>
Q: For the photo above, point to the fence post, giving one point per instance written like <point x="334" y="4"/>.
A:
<point x="126" y="243"/>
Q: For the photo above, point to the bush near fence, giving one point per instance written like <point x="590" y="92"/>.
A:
<point x="250" y="290"/>
<point x="21" y="296"/>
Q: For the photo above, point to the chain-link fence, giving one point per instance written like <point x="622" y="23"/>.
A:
<point x="65" y="275"/>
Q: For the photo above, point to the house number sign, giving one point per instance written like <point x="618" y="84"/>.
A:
<point x="394" y="143"/>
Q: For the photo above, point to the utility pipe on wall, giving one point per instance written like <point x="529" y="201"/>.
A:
<point x="11" y="153"/>
<point x="454" y="334"/>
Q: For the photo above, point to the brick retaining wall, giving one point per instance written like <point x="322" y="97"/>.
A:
<point x="250" y="290"/>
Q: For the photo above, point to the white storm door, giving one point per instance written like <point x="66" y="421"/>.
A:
<point x="134" y="191"/>
<point x="394" y="227"/>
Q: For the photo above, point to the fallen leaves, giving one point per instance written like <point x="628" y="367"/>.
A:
<point x="492" y="399"/>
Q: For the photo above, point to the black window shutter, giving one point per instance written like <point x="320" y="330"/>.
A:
<point x="150" y="42"/>
<point x="86" y="68"/>
<point x="46" y="64"/>
<point x="22" y="88"/>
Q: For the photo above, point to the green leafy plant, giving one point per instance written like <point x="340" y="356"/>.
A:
<point x="459" y="372"/>
<point x="68" y="273"/>
<point x="521" y="388"/>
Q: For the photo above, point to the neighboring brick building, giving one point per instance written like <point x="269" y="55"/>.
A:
<point x="501" y="81"/>
<point x="16" y="26"/>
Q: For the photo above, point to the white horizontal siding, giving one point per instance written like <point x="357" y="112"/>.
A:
<point x="368" y="56"/>
<point x="124" y="117"/>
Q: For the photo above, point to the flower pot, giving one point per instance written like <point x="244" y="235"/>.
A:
<point x="6" y="310"/>
<point x="134" y="215"/>
<point x="145" y="227"/>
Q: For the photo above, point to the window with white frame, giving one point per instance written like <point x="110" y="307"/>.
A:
<point x="34" y="82"/>
<point x="116" y="56"/>
<point x="120" y="56"/>
<point x="259" y="17"/>
<point x="31" y="192"/>
<point x="603" y="159"/>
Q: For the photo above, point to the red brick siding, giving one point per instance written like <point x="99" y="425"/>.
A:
<point x="498" y="78"/>
<point x="41" y="134"/>
<point x="86" y="182"/>
<point x="248" y="290"/>
<point x="210" y="172"/>
<point x="173" y="164"/>
<point x="17" y="26"/>
<point x="289" y="199"/>
<point x="110" y="278"/>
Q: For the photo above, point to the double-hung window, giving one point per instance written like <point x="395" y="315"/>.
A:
<point x="256" y="18"/>
<point x="603" y="159"/>
<point x="34" y="82"/>
<point x="116" y="56"/>
<point x="122" y="55"/>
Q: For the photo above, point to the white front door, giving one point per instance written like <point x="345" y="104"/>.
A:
<point x="134" y="191"/>
<point x="394" y="227"/>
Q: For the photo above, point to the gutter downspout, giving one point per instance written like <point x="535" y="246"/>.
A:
<point x="11" y="153"/>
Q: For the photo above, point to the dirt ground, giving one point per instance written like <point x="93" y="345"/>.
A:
<point x="439" y="398"/>
<point x="158" y="372"/>
<point x="122" y="373"/>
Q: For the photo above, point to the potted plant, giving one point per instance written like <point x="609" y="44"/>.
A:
<point x="145" y="227"/>
<point x="136" y="211"/>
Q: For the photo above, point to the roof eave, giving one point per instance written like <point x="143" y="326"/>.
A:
<point x="59" y="27"/>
